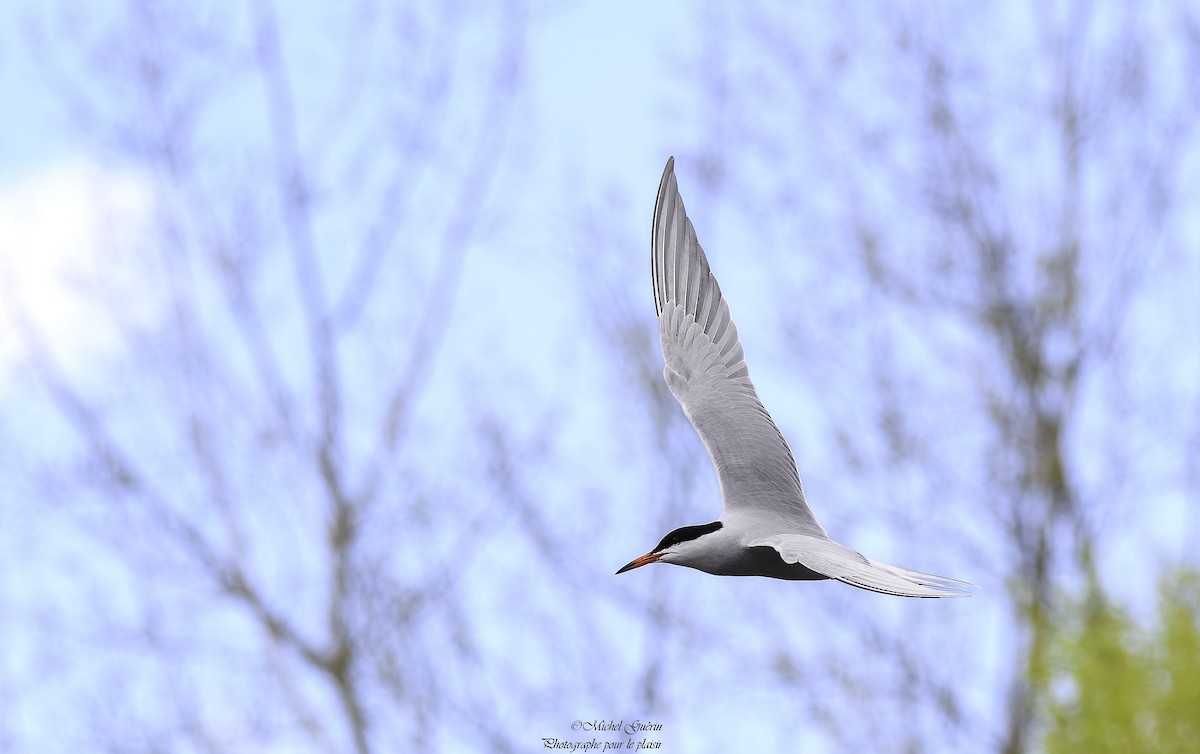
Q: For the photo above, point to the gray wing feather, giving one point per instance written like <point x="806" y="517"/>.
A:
<point x="707" y="373"/>
<point x="837" y="561"/>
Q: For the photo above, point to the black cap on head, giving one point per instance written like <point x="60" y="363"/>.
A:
<point x="687" y="533"/>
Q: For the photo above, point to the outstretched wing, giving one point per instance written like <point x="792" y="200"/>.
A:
<point x="707" y="373"/>
<point x="829" y="558"/>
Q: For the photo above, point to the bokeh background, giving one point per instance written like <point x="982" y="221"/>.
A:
<point x="331" y="397"/>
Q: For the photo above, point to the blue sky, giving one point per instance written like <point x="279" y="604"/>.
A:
<point x="604" y="101"/>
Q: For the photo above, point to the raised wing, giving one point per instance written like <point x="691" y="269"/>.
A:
<point x="707" y="373"/>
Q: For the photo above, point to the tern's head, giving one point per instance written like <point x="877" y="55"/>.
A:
<point x="681" y="547"/>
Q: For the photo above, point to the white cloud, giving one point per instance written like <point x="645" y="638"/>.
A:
<point x="67" y="235"/>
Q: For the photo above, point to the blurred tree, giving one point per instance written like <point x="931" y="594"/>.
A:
<point x="1114" y="686"/>
<point x="251" y="455"/>
<point x="983" y="208"/>
<point x="289" y="515"/>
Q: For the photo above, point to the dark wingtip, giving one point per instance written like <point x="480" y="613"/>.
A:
<point x="668" y="173"/>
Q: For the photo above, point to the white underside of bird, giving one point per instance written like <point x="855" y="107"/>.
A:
<point x="766" y="527"/>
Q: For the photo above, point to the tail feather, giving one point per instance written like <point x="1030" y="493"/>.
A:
<point x="836" y="561"/>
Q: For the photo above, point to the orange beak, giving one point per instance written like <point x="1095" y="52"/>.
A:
<point x="646" y="559"/>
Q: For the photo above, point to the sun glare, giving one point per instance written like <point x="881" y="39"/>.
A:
<point x="66" y="232"/>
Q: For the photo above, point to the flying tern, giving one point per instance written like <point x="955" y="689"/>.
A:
<point x="766" y="527"/>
